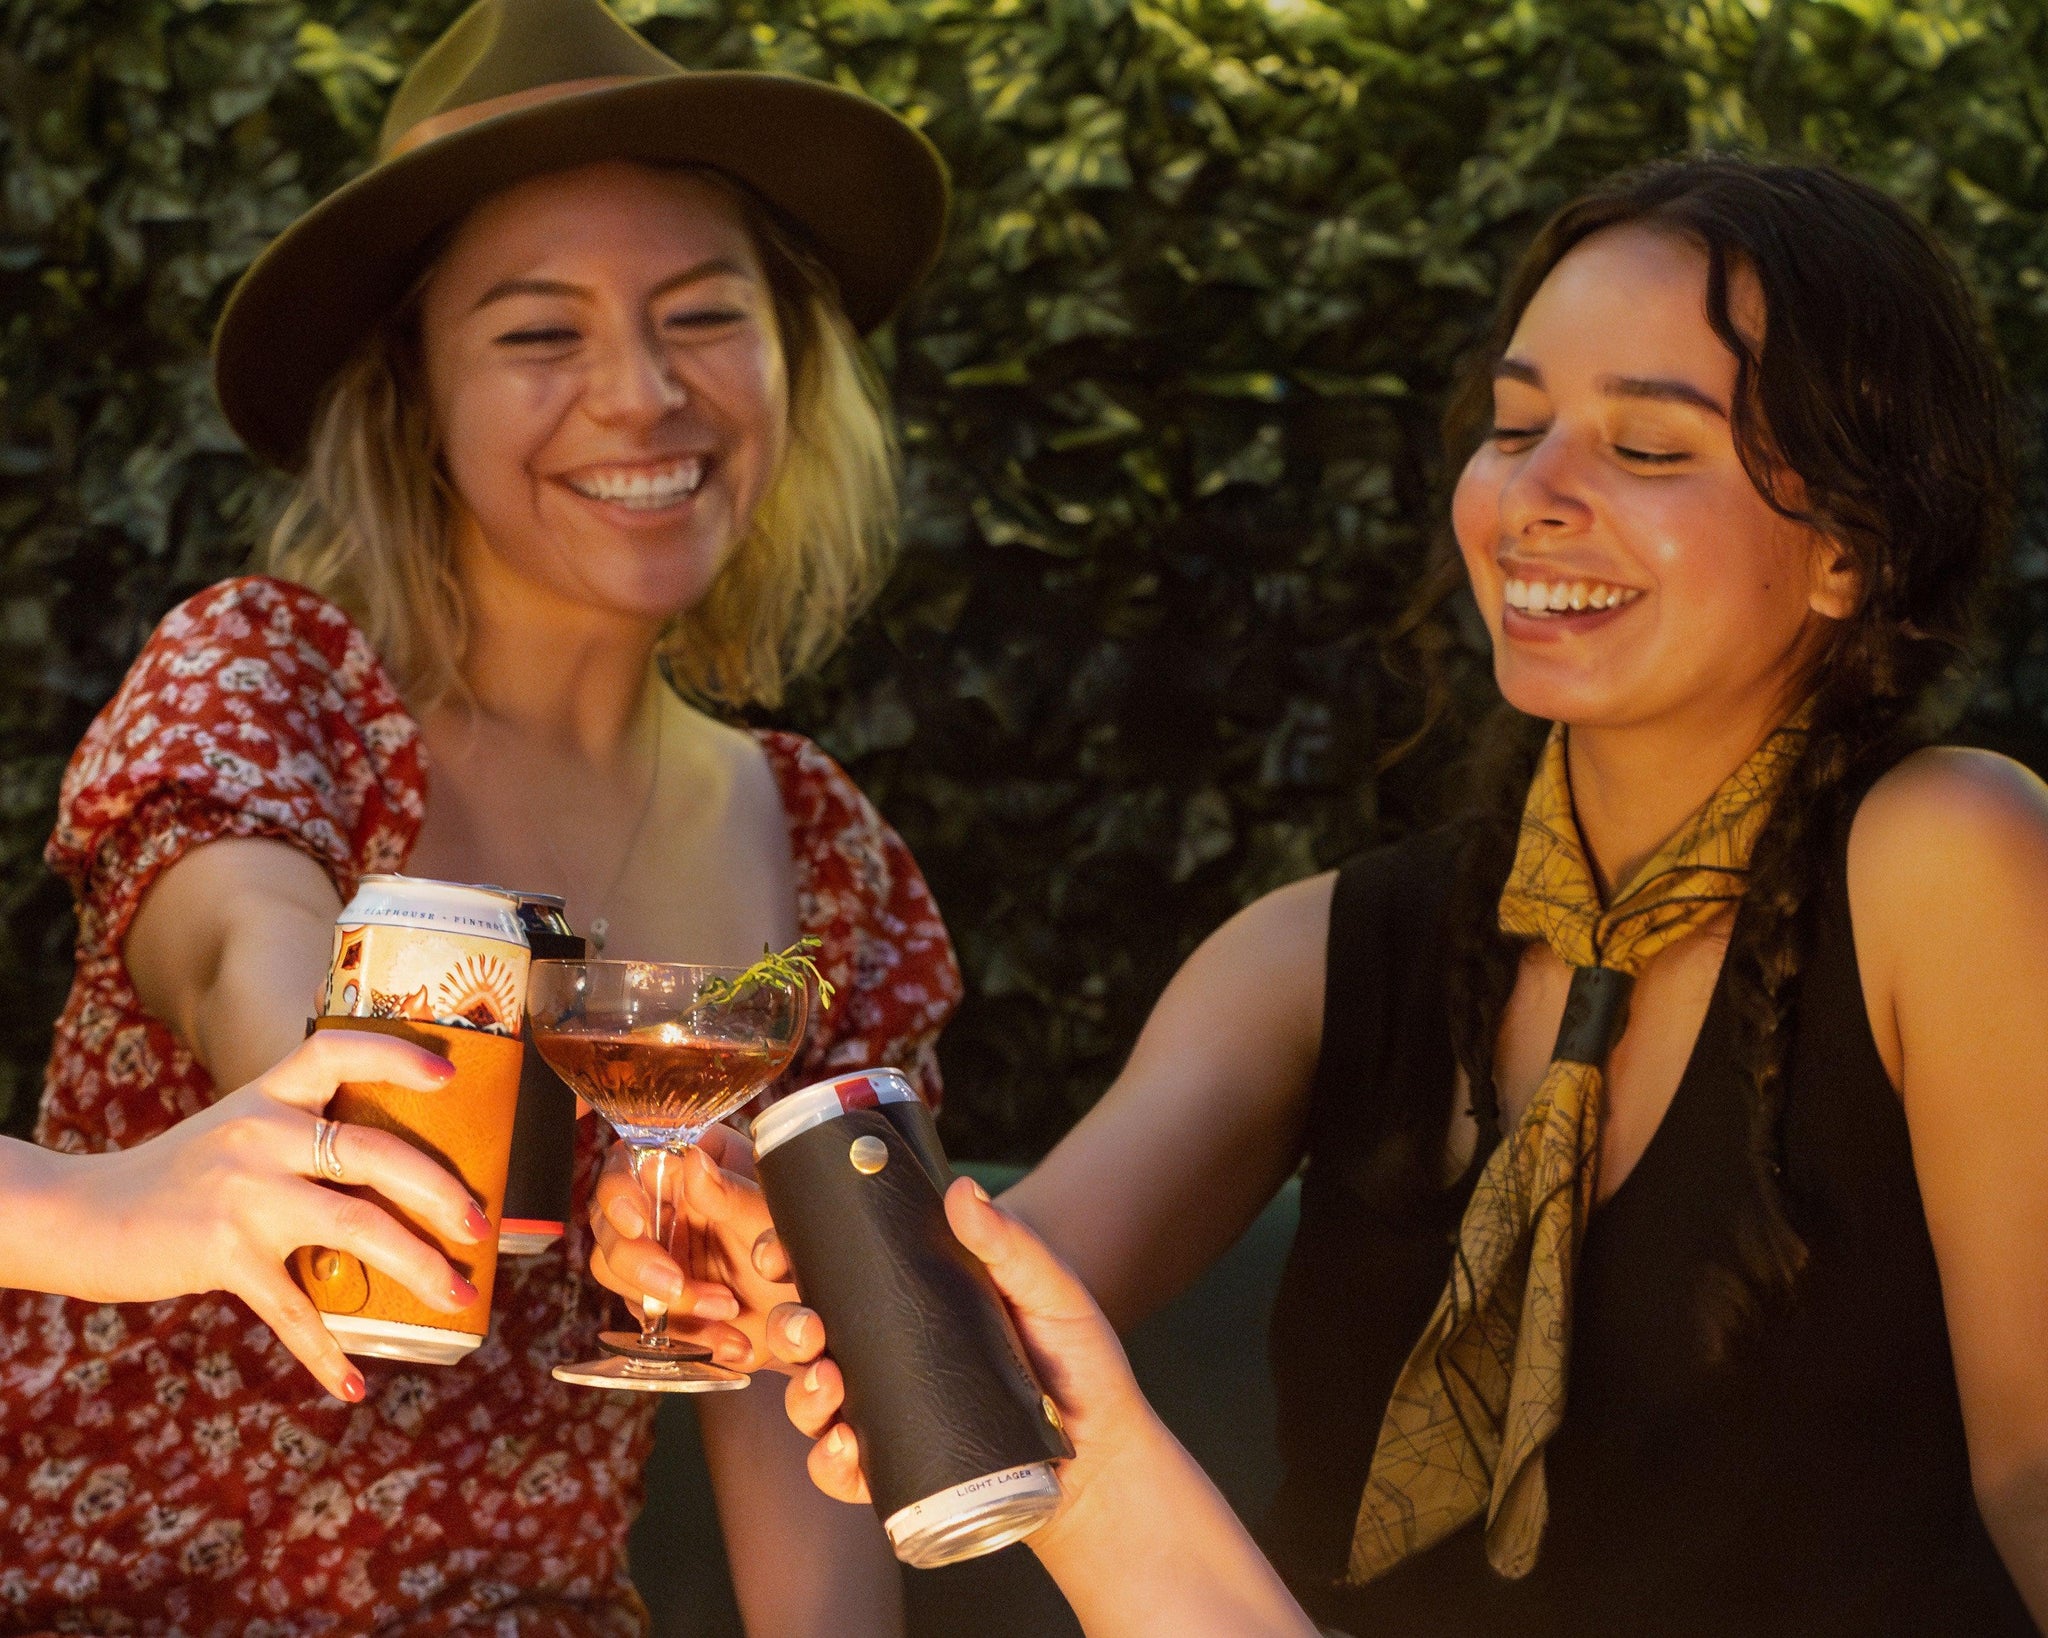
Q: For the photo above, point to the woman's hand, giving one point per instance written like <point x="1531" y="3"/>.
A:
<point x="218" y="1202"/>
<point x="737" y="1274"/>
<point x="1142" y="1542"/>
<point x="1075" y="1352"/>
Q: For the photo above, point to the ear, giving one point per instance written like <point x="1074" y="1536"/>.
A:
<point x="1835" y="583"/>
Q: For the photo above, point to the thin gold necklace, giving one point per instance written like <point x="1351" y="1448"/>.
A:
<point x="600" y="923"/>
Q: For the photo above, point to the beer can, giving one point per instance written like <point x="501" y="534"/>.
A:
<point x="544" y="916"/>
<point x="958" y="1437"/>
<point x="430" y="953"/>
<point x="444" y="965"/>
<point x="542" y="1176"/>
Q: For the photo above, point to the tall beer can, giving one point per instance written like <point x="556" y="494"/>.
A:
<point x="431" y="952"/>
<point x="542" y="1174"/>
<point x="958" y="1437"/>
<point x="444" y="966"/>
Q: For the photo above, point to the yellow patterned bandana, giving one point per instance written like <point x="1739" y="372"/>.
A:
<point x="1484" y="1388"/>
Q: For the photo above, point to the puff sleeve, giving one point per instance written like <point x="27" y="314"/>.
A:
<point x="256" y="709"/>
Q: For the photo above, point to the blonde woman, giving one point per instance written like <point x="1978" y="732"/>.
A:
<point x="571" y="384"/>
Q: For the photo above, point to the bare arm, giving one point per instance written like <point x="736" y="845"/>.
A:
<point x="1948" y="885"/>
<point x="803" y="1565"/>
<point x="219" y="1201"/>
<point x="1159" y="1179"/>
<point x="1204" y="1124"/>
<point x="1142" y="1542"/>
<point x="229" y="949"/>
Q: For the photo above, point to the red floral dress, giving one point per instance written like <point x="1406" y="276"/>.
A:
<point x="169" y="1468"/>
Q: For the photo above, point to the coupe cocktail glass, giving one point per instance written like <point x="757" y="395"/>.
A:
<point x="661" y="1050"/>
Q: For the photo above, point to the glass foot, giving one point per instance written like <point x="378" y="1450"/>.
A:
<point x="670" y="1376"/>
<point x="630" y="1345"/>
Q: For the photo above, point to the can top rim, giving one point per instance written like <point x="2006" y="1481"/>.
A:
<point x="554" y="901"/>
<point x="399" y="878"/>
<point x="828" y="1100"/>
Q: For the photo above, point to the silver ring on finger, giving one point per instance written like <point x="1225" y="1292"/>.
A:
<point x="326" y="1162"/>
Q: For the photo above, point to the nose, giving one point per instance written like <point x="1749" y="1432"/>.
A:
<point x="1545" y="494"/>
<point x="634" y="382"/>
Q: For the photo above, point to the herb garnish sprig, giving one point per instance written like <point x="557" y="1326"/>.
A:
<point x="790" y="970"/>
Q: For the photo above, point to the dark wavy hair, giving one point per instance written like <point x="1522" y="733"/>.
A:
<point x="1876" y="388"/>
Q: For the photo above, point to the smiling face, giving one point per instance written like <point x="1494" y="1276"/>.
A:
<point x="608" y="386"/>
<point x="1627" y="568"/>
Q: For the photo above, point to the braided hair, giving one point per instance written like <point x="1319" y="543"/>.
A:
<point x="1873" y="411"/>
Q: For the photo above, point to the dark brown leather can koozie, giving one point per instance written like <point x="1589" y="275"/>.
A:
<point x="957" y="1435"/>
<point x="542" y="1174"/>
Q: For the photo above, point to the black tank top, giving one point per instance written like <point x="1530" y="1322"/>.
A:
<point x="1808" y="1478"/>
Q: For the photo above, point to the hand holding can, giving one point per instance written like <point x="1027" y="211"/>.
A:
<point x="443" y="966"/>
<point x="958" y="1435"/>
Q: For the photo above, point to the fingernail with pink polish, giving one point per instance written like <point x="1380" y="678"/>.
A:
<point x="353" y="1387"/>
<point x="474" y="1220"/>
<point x="462" y="1291"/>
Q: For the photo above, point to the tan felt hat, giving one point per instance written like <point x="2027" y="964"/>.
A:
<point x="519" y="87"/>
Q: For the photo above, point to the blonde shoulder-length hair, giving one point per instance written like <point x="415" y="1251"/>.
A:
<point x="368" y="524"/>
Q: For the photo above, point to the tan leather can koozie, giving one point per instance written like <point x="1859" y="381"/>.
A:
<point x="465" y="1126"/>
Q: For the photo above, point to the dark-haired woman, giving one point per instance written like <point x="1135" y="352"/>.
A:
<point x="1674" y="1240"/>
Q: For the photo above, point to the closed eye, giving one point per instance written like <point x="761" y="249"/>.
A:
<point x="537" y="337"/>
<point x="702" y="318"/>
<point x="1510" y="435"/>
<point x="1647" y="458"/>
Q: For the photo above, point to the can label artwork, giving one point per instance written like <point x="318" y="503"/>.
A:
<point x="429" y="953"/>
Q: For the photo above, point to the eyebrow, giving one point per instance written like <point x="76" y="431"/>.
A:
<point x="1657" y="389"/>
<point x="556" y="287"/>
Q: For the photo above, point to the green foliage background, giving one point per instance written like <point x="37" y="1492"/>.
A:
<point x="1169" y="404"/>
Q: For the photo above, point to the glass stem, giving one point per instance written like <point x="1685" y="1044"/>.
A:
<point x="673" y="1237"/>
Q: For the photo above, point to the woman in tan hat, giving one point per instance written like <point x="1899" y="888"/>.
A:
<point x="571" y="384"/>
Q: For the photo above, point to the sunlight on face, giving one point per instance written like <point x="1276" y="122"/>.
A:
<point x="1627" y="568"/>
<point x="608" y="385"/>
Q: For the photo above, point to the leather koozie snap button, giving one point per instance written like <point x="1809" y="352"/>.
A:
<point x="869" y="1155"/>
<point x="343" y="1284"/>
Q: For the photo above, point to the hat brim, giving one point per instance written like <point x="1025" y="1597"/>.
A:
<point x="868" y="189"/>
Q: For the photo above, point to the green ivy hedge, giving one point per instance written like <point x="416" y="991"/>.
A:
<point x="1169" y="403"/>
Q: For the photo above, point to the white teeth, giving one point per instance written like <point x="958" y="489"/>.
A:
<point x="643" y="489"/>
<point x="1555" y="596"/>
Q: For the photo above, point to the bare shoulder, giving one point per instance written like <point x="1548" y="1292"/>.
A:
<point x="1949" y="851"/>
<point x="1260" y="975"/>
<point x="1950" y="816"/>
<point x="727" y="765"/>
<point x="1287" y="929"/>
